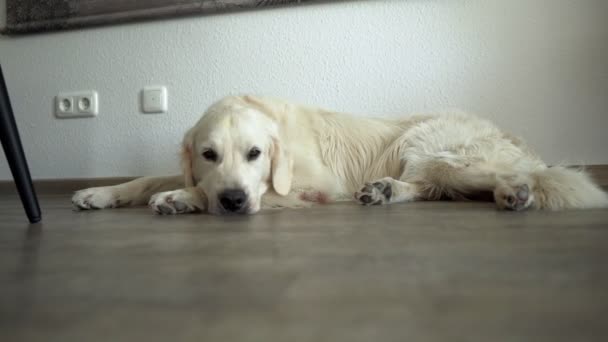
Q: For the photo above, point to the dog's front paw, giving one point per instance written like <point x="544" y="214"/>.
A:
<point x="95" y="198"/>
<point x="376" y="193"/>
<point x="172" y="203"/>
<point x="514" y="197"/>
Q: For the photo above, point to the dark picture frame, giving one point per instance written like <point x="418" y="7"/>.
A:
<point x="30" y="16"/>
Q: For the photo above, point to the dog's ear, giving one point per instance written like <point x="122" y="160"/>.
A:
<point x="282" y="163"/>
<point x="282" y="168"/>
<point x="186" y="159"/>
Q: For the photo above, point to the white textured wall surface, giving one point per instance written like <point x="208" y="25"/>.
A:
<point x="539" y="68"/>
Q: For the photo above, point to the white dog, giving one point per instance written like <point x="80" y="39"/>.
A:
<point x="248" y="153"/>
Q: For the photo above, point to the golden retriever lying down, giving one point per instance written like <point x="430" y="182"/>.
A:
<point x="248" y="153"/>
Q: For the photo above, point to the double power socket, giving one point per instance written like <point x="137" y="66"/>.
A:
<point x="77" y="104"/>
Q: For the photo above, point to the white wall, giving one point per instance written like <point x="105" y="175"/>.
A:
<point x="539" y="68"/>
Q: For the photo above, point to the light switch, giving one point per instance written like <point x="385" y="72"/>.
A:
<point x="154" y="99"/>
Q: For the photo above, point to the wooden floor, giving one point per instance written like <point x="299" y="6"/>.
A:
<point x="411" y="272"/>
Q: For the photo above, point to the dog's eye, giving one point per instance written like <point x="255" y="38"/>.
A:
<point x="210" y="155"/>
<point x="253" y="154"/>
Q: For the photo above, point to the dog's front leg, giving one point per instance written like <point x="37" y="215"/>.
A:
<point x="182" y="201"/>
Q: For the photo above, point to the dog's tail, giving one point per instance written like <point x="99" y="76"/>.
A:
<point x="559" y="188"/>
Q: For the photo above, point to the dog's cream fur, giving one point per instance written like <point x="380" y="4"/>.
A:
<point x="311" y="155"/>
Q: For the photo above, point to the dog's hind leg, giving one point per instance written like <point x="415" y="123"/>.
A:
<point x="424" y="179"/>
<point x="435" y="179"/>
<point x="438" y="179"/>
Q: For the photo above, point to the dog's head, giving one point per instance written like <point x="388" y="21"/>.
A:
<point x="235" y="154"/>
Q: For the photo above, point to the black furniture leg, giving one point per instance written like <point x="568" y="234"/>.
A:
<point x="15" y="156"/>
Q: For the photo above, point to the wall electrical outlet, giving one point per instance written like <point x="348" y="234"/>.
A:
<point x="76" y="104"/>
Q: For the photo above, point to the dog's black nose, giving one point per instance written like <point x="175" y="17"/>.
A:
<point x="233" y="200"/>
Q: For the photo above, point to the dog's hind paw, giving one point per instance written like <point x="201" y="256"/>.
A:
<point x="376" y="193"/>
<point x="513" y="196"/>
